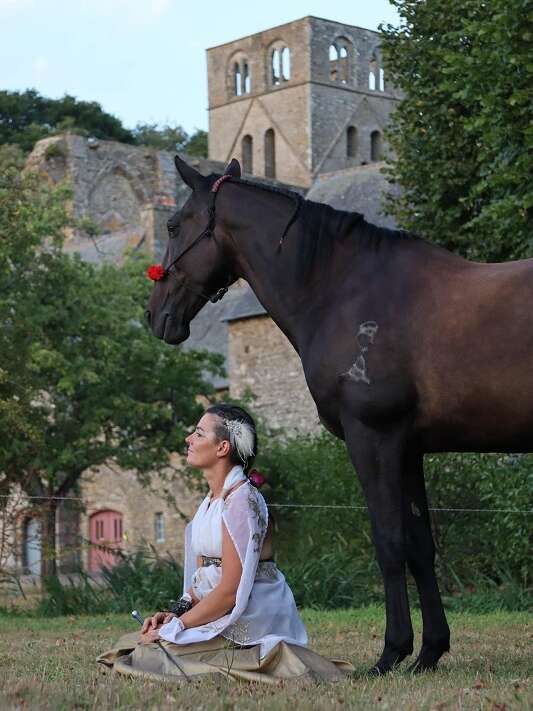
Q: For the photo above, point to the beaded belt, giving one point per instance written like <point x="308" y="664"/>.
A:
<point x="265" y="568"/>
<point x="207" y="560"/>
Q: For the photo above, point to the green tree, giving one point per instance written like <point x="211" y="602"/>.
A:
<point x="11" y="156"/>
<point x="196" y="144"/>
<point x="463" y="135"/>
<point x="164" y="138"/>
<point x="83" y="380"/>
<point x="26" y="117"/>
<point x="171" y="138"/>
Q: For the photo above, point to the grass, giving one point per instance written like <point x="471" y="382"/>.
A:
<point x="49" y="664"/>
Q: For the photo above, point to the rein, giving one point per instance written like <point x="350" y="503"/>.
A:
<point x="157" y="272"/>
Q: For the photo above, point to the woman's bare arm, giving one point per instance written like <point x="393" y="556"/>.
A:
<point x="222" y="598"/>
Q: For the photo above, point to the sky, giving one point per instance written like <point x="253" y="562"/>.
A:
<point x="143" y="60"/>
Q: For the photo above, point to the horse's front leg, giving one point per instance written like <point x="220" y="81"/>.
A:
<point x="378" y="459"/>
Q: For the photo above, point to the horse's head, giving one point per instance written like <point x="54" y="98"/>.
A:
<point x="196" y="264"/>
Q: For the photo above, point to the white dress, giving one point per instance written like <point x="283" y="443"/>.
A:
<point x="265" y="612"/>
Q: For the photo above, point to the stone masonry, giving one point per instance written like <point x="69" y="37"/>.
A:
<point x="315" y="85"/>
<point x="262" y="362"/>
<point x="118" y="490"/>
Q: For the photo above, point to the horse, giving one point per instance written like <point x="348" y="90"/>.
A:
<point x="406" y="348"/>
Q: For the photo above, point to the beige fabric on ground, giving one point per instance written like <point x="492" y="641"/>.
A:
<point x="220" y="657"/>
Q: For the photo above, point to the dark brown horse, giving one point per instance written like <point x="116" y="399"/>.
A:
<point x="406" y="349"/>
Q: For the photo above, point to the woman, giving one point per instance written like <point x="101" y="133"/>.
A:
<point x="237" y="615"/>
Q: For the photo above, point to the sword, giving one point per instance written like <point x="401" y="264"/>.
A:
<point x="136" y="616"/>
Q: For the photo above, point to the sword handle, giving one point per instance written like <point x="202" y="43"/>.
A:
<point x="137" y="616"/>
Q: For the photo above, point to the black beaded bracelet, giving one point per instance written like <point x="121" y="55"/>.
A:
<point x="180" y="607"/>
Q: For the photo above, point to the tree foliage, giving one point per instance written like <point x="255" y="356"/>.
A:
<point x="83" y="381"/>
<point x="172" y="138"/>
<point x="463" y="135"/>
<point x="26" y="117"/>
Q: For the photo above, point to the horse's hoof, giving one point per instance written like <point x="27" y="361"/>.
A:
<point x="387" y="663"/>
<point x="427" y="660"/>
<point x="375" y="671"/>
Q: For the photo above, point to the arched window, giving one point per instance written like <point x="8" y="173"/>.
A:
<point x="246" y="78"/>
<point x="381" y="80"/>
<point x="280" y="64"/>
<point x="333" y="62"/>
<point x="351" y="142"/>
<point x="240" y="77"/>
<point x="247" y="154"/>
<point x="270" y="154"/>
<point x="32" y="546"/>
<point x="285" y="64"/>
<point x="339" y="60"/>
<point x="237" y="79"/>
<point x="276" y="68"/>
<point x="373" y="74"/>
<point x="376" y="146"/>
<point x="343" y="65"/>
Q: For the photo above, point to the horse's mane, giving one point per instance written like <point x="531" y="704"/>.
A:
<point x="318" y="225"/>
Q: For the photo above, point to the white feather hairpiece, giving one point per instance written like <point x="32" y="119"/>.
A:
<point x="241" y="437"/>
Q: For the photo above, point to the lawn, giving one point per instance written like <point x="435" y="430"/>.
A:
<point x="49" y="664"/>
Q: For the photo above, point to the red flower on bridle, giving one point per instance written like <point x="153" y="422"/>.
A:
<point x="156" y="272"/>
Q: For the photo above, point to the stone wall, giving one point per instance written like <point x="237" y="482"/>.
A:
<point x="128" y="192"/>
<point x="261" y="360"/>
<point x="311" y="110"/>
<point x="286" y="112"/>
<point x="119" y="490"/>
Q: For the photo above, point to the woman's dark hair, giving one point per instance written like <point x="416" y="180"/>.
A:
<point x="232" y="412"/>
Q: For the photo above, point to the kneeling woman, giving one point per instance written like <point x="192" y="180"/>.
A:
<point x="237" y="616"/>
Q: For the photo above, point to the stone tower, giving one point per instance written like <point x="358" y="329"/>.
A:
<point x="298" y="100"/>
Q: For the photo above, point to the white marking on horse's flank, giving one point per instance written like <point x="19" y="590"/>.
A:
<point x="365" y="336"/>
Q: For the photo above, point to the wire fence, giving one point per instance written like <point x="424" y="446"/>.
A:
<point x="303" y="506"/>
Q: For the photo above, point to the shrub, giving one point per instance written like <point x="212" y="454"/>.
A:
<point x="140" y="580"/>
<point x="54" y="150"/>
<point x="479" y="550"/>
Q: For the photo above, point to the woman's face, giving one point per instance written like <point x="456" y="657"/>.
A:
<point x="204" y="450"/>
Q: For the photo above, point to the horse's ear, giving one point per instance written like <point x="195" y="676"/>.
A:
<point x="233" y="168"/>
<point x="190" y="176"/>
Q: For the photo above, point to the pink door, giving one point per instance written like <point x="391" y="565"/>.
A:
<point x="105" y="532"/>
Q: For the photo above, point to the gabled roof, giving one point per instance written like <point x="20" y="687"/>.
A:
<point x="358" y="189"/>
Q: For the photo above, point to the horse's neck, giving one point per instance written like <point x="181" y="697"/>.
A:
<point x="277" y="298"/>
<point x="275" y="274"/>
<point x="274" y="277"/>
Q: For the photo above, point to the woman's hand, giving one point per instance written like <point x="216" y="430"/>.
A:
<point x="149" y="637"/>
<point x="160" y="618"/>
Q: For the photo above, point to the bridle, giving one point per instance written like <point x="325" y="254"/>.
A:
<point x="209" y="231"/>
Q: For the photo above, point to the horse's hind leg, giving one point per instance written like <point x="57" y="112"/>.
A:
<point x="420" y="551"/>
<point x="377" y="458"/>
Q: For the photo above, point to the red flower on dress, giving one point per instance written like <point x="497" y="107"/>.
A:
<point x="256" y="478"/>
<point x="156" y="272"/>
